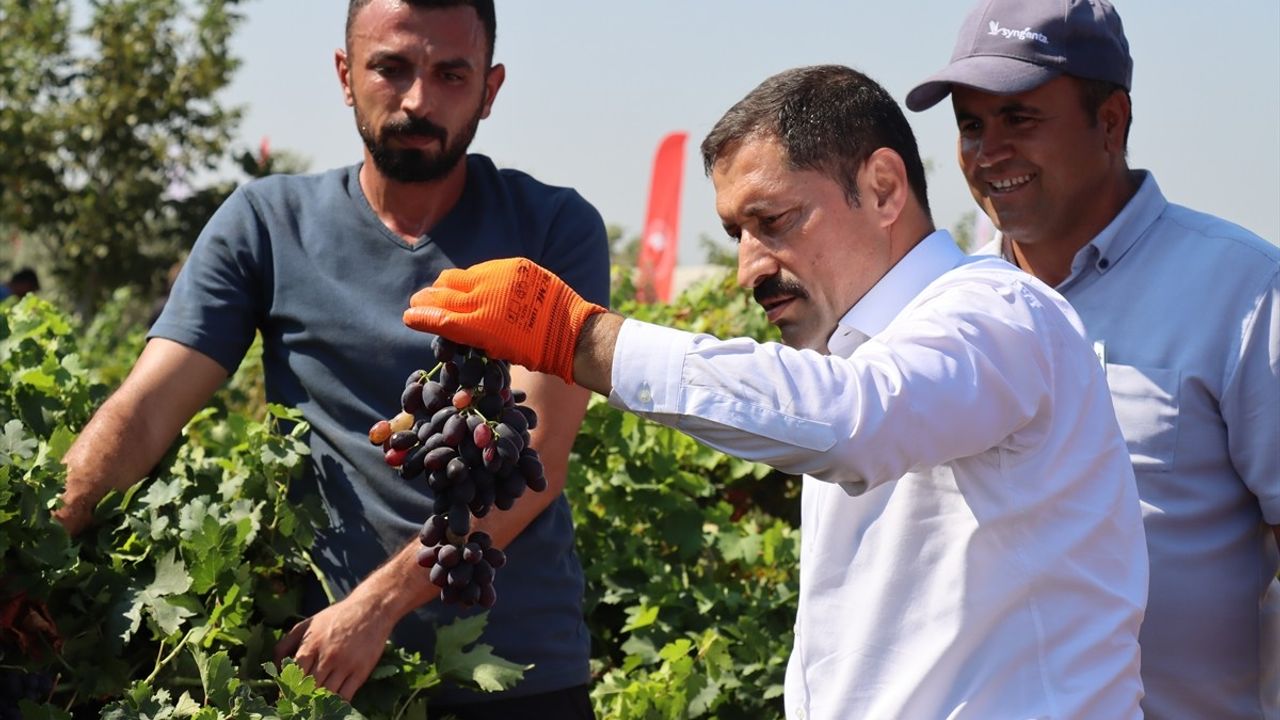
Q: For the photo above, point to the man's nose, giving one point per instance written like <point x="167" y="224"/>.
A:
<point x="990" y="147"/>
<point x="755" y="262"/>
<point x="418" y="97"/>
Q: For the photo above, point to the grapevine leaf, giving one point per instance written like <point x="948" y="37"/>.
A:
<point x="39" y="380"/>
<point x="478" y="666"/>
<point x="59" y="442"/>
<point x="676" y="649"/>
<point x="160" y="493"/>
<point x="126" y="617"/>
<point x="640" y="647"/>
<point x="15" y="445"/>
<point x="743" y="548"/>
<point x="640" y="617"/>
<point x="171" y="577"/>
<point x="168" y="615"/>
<point x="213" y="549"/>
<point x="218" y="676"/>
<point x="705" y="698"/>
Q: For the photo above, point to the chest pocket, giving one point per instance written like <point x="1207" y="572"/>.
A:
<point x="1146" y="403"/>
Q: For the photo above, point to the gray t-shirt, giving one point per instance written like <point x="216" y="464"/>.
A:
<point x="305" y="260"/>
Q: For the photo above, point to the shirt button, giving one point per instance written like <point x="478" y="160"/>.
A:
<point x="799" y="712"/>
<point x="645" y="395"/>
<point x="1103" y="264"/>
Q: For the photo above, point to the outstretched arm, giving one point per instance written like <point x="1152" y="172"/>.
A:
<point x="135" y="426"/>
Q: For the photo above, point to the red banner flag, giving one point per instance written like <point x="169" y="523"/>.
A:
<point x="657" y="261"/>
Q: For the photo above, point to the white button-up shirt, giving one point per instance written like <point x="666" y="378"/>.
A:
<point x="972" y="543"/>
<point x="1185" y="309"/>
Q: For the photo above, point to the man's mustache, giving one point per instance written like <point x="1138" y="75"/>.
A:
<point x="775" y="286"/>
<point x="414" y="126"/>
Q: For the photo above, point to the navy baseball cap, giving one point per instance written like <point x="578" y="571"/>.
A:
<point x="1012" y="46"/>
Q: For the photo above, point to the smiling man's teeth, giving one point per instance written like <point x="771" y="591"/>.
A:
<point x="1010" y="182"/>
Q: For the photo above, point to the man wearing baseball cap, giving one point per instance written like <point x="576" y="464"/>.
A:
<point x="1183" y="309"/>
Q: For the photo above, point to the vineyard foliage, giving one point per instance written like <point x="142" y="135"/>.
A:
<point x="170" y="605"/>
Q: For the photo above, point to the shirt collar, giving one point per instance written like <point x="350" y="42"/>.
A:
<point x="924" y="263"/>
<point x="1109" y="246"/>
<point x="1131" y="223"/>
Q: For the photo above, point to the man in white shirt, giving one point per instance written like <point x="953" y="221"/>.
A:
<point x="972" y="542"/>
<point x="1184" y="310"/>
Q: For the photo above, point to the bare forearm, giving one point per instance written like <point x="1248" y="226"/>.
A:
<point x="401" y="586"/>
<point x="593" y="357"/>
<point x="135" y="426"/>
<point x="114" y="451"/>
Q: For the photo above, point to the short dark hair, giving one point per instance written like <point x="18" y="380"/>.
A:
<point x="828" y="118"/>
<point x="483" y="8"/>
<point x="1095" y="92"/>
<point x="26" y="275"/>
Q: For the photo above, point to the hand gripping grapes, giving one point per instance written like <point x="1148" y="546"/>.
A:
<point x="462" y="427"/>
<point x="512" y="309"/>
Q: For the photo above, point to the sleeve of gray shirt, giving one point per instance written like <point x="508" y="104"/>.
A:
<point x="1251" y="401"/>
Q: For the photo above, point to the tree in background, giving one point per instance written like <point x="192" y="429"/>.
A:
<point x="103" y="128"/>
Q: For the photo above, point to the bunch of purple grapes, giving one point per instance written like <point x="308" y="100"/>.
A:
<point x="463" y="427"/>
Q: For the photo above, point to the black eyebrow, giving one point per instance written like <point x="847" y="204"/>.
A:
<point x="1016" y="107"/>
<point x="382" y="56"/>
<point x="454" y="64"/>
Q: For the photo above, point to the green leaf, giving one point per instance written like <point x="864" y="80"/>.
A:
<point x="218" y="676"/>
<point x="15" y="445"/>
<point x="477" y="666"/>
<point x="39" y="380"/>
<point x="59" y="442"/>
<point x="171" y="576"/>
<point x="641" y="616"/>
<point x="168" y="615"/>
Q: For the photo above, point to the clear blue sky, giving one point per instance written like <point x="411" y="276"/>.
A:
<point x="592" y="86"/>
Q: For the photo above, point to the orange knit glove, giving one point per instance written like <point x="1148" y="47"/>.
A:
<point x="513" y="309"/>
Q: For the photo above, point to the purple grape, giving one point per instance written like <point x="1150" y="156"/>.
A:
<point x="459" y="520"/>
<point x="455" y="429"/>
<point x="434" y="397"/>
<point x="443" y="349"/>
<point x="460" y="576"/>
<point x="427" y="557"/>
<point x="449" y="556"/>
<point x="495" y="557"/>
<point x="432" y="532"/>
<point x="439" y="574"/>
<point x="471" y="372"/>
<point x="472" y="553"/>
<point x="490" y="406"/>
<point x="411" y="398"/>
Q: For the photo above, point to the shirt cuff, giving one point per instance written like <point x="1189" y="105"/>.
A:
<point x="648" y="367"/>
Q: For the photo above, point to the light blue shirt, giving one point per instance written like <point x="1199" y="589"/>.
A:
<point x="1184" y="309"/>
<point x="971" y="538"/>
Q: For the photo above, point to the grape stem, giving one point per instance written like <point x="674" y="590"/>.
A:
<point x="315" y="569"/>
<point x="177" y="649"/>
<point x="407" y="703"/>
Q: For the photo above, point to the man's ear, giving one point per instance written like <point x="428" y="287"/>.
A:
<point x="344" y="75"/>
<point x="885" y="186"/>
<point x="492" y="84"/>
<point x="1113" y="118"/>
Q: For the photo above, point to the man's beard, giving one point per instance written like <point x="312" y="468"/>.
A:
<point x="415" y="165"/>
